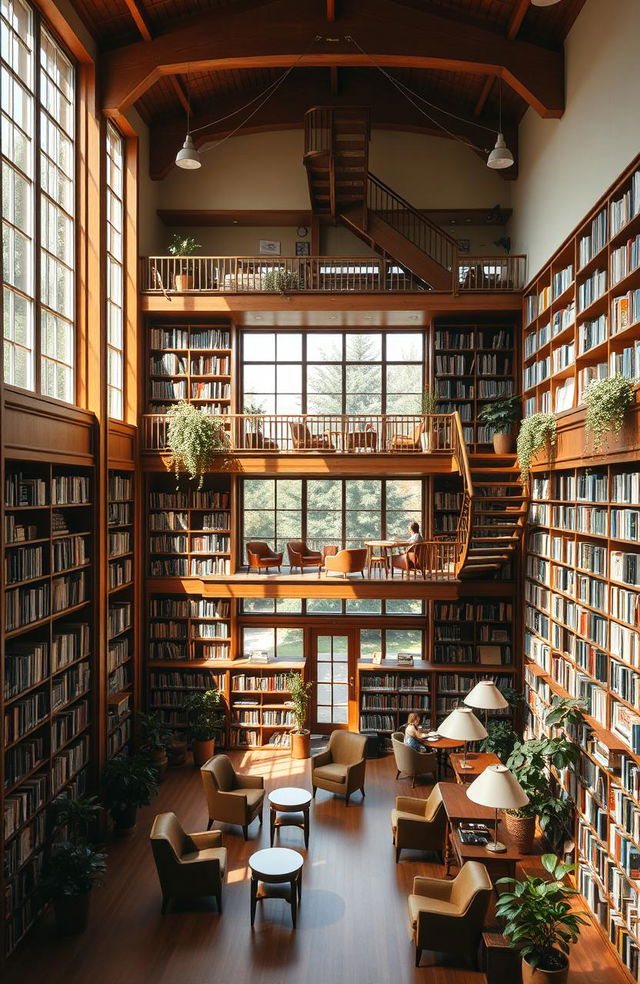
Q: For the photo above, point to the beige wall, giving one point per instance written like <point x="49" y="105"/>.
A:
<point x="152" y="234"/>
<point x="567" y="164"/>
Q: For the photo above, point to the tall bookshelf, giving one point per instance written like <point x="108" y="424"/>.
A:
<point x="47" y="694"/>
<point x="190" y="362"/>
<point x="121" y="484"/>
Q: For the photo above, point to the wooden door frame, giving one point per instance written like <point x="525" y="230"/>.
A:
<point x="353" y="644"/>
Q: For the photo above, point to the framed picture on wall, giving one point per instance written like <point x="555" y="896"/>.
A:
<point x="269" y="247"/>
<point x="464" y="245"/>
<point x="303" y="249"/>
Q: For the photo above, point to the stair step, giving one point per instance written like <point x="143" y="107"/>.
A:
<point x="495" y="539"/>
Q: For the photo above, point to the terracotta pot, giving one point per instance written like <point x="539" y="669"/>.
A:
<point x="255" y="440"/>
<point x="124" y="819"/>
<point x="522" y="830"/>
<point x="503" y="443"/>
<point x="202" y="751"/>
<point x="184" y="281"/>
<point x="177" y="753"/>
<point x="72" y="913"/>
<point x="159" y="762"/>
<point x="538" y="976"/>
<point x="300" y="744"/>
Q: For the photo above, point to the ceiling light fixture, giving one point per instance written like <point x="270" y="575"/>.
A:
<point x="544" y="3"/>
<point x="500" y="157"/>
<point x="188" y="158"/>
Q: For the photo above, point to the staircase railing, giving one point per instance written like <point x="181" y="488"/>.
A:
<point x="415" y="227"/>
<point x="465" y="520"/>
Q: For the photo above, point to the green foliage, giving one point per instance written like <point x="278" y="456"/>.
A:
<point x="538" y="915"/>
<point x="205" y="714"/>
<point x="299" y="691"/>
<point x="501" y="739"/>
<point x="128" y="782"/>
<point x="194" y="439"/>
<point x="535" y="433"/>
<point x="72" y="869"/>
<point x="529" y="761"/>
<point x="281" y="279"/>
<point x="607" y="402"/>
<point x="565" y="711"/>
<point x="77" y="815"/>
<point x="502" y="414"/>
<point x="154" y="733"/>
<point x="515" y="698"/>
<point x="180" y="245"/>
<point x="429" y="402"/>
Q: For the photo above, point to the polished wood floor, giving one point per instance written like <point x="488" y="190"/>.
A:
<point x="352" y="923"/>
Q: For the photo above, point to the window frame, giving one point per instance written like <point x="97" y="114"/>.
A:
<point x="108" y="301"/>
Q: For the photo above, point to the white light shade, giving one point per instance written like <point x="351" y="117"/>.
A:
<point x="543" y="3"/>
<point x="188" y="157"/>
<point x="500" y="157"/>
<point x="498" y="788"/>
<point x="486" y="696"/>
<point x="463" y="725"/>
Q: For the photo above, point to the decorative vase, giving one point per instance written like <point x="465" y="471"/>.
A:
<point x="124" y="818"/>
<point x="72" y="913"/>
<point x="503" y="443"/>
<point x="159" y="762"/>
<point x="202" y="751"/>
<point x="538" y="976"/>
<point x="184" y="281"/>
<point x="300" y="744"/>
<point x="522" y="830"/>
<point x="177" y="753"/>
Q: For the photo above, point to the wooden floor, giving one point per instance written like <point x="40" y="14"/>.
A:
<point x="352" y="923"/>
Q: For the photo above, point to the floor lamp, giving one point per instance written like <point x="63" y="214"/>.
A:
<point x="499" y="789"/>
<point x="463" y="725"/>
<point x="486" y="697"/>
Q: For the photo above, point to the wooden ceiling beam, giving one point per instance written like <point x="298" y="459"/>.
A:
<point x="180" y="93"/>
<point x="138" y="16"/>
<point x="239" y="38"/>
<point x="331" y="10"/>
<point x="484" y="95"/>
<point x="517" y="18"/>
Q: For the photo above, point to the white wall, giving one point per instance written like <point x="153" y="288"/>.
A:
<point x="152" y="235"/>
<point x="566" y="165"/>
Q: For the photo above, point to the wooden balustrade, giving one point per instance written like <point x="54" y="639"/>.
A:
<point x="491" y="273"/>
<point x="410" y="223"/>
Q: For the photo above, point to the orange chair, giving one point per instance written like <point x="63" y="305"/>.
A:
<point x="304" y="440"/>
<point x="301" y="556"/>
<point x="407" y="442"/>
<point x="346" y="562"/>
<point x="412" y="561"/>
<point x="260" y="555"/>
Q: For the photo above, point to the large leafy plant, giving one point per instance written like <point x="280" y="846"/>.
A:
<point x="72" y="869"/>
<point x="128" y="782"/>
<point x="180" y="245"/>
<point x="195" y="438"/>
<point x="281" y="279"/>
<point x="502" y="414"/>
<point x="535" y="433"/>
<point x="155" y="735"/>
<point x="539" y="919"/>
<point x="529" y="761"/>
<point x="77" y="816"/>
<point x="299" y="692"/>
<point x="501" y="739"/>
<point x="607" y="402"/>
<point x="205" y="714"/>
<point x="565" y="712"/>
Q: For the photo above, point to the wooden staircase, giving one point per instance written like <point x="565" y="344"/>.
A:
<point x="336" y="157"/>
<point x="497" y="515"/>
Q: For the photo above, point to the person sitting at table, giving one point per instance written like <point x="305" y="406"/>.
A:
<point x="412" y="735"/>
<point x="415" y="536"/>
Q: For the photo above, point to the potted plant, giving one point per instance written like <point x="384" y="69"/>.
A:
<point x="128" y="784"/>
<point x="281" y="279"/>
<point x="70" y="873"/>
<point x="299" y="704"/>
<point x="529" y="761"/>
<point x="205" y="715"/>
<point x="75" y="816"/>
<point x="194" y="439"/>
<point x="181" y="247"/>
<point x="540" y="922"/>
<point x="501" y="739"/>
<point x="255" y="437"/>
<point x="428" y="407"/>
<point x="501" y="416"/>
<point x="607" y="402"/>
<point x="535" y="433"/>
<point x="155" y="738"/>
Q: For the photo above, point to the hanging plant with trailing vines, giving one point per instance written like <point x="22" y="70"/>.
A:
<point x="195" y="439"/>
<point x="607" y="402"/>
<point x="535" y="433"/>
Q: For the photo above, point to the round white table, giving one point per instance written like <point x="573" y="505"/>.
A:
<point x="290" y="808"/>
<point x="276" y="872"/>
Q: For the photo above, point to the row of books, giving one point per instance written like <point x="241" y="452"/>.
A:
<point x="189" y="338"/>
<point x="24" y="565"/>
<point x="591" y="333"/>
<point x="24" y="490"/>
<point x="179" y="607"/>
<point x="590" y="244"/>
<point x="120" y="514"/>
<point x="179" y="567"/>
<point x="201" y="499"/>
<point x="625" y="310"/>
<point x="561" y="280"/>
<point x="623" y="209"/>
<point x="393" y="702"/>
<point x="563" y="319"/>
<point x="591" y="289"/>
<point x="120" y="573"/>
<point x="625" y="259"/>
<point x="120" y="485"/>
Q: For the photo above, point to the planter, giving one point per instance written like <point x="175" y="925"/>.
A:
<point x="521" y="830"/>
<point x="538" y="976"/>
<point x="72" y="913"/>
<point x="202" y="751"/>
<point x="124" y="818"/>
<point x="159" y="762"/>
<point x="177" y="753"/>
<point x="183" y="281"/>
<point x="425" y="441"/>
<point x="503" y="443"/>
<point x="300" y="744"/>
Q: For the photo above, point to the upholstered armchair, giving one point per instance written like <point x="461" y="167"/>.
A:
<point x="448" y="916"/>
<point x="304" y="440"/>
<point x="346" y="562"/>
<point x="419" y="824"/>
<point x="341" y="768"/>
<point x="413" y="561"/>
<point x="406" y="442"/>
<point x="260" y="555"/>
<point x="189" y="865"/>
<point x="411" y="763"/>
<point x="300" y="555"/>
<point x="231" y="797"/>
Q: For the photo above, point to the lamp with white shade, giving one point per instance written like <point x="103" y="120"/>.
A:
<point x="463" y="725"/>
<point x="499" y="789"/>
<point x="486" y="697"/>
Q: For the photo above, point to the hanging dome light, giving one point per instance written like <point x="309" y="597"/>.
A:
<point x="544" y="3"/>
<point x="500" y="157"/>
<point x="188" y="157"/>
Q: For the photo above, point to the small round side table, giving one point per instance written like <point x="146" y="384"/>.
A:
<point x="276" y="873"/>
<point x="290" y="808"/>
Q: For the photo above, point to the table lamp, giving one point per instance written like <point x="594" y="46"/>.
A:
<point x="486" y="697"/>
<point x="498" y="788"/>
<point x="463" y="725"/>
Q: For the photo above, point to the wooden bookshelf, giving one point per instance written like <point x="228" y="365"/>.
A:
<point x="191" y="362"/>
<point x="121" y="540"/>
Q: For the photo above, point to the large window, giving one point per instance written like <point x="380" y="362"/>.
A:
<point x="37" y="83"/>
<point x="282" y="643"/>
<point x="341" y="512"/>
<point x="333" y="372"/>
<point x="115" y="272"/>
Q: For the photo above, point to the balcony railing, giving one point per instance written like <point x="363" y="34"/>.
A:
<point x="318" y="275"/>
<point x="323" y="433"/>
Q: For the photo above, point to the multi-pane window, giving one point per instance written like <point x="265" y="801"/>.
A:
<point x="282" y="642"/>
<point x="390" y="642"/>
<point x="38" y="171"/>
<point x="115" y="272"/>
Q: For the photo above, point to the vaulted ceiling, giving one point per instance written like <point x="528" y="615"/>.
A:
<point x="217" y="55"/>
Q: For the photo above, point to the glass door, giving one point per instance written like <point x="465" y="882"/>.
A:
<point x="333" y="675"/>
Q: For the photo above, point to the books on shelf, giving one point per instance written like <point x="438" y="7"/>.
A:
<point x="562" y="279"/>
<point x="625" y="259"/>
<point x="625" y="310"/>
<point x="623" y="209"/>
<point x="591" y="289"/>
<point x="591" y="333"/>
<point x="590" y="244"/>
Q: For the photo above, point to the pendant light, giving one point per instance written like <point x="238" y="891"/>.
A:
<point x="188" y="158"/>
<point x="500" y="157"/>
<point x="544" y="3"/>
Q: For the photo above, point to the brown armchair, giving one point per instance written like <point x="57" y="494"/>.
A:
<point x="346" y="562"/>
<point x="413" y="561"/>
<point x="189" y="865"/>
<point x="304" y="440"/>
<point x="260" y="555"/>
<point x="301" y="556"/>
<point x="419" y="824"/>
<point x="448" y="916"/>
<point x="231" y="797"/>
<point x="407" y="442"/>
<point x="410" y="762"/>
<point x="341" y="768"/>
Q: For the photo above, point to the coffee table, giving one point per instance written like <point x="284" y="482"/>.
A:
<point x="276" y="873"/>
<point x="293" y="805"/>
<point x="442" y="746"/>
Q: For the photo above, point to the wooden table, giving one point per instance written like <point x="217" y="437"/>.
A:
<point x="498" y="865"/>
<point x="385" y="547"/>
<point x="276" y="872"/>
<point x="478" y="762"/>
<point x="293" y="805"/>
<point x="441" y="746"/>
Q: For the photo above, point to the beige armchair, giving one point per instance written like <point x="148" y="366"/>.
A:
<point x="231" y="797"/>
<point x="419" y="824"/>
<point x="448" y="916"/>
<point x="409" y="762"/>
<point x="341" y="768"/>
<point x="189" y="865"/>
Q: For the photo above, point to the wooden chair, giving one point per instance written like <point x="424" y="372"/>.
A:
<point x="412" y="561"/>
<point x="301" y="556"/>
<point x="407" y="442"/>
<point x="304" y="440"/>
<point x="260" y="555"/>
<point x="188" y="865"/>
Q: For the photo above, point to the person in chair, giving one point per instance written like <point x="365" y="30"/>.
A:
<point x="412" y="735"/>
<point x="415" y="536"/>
